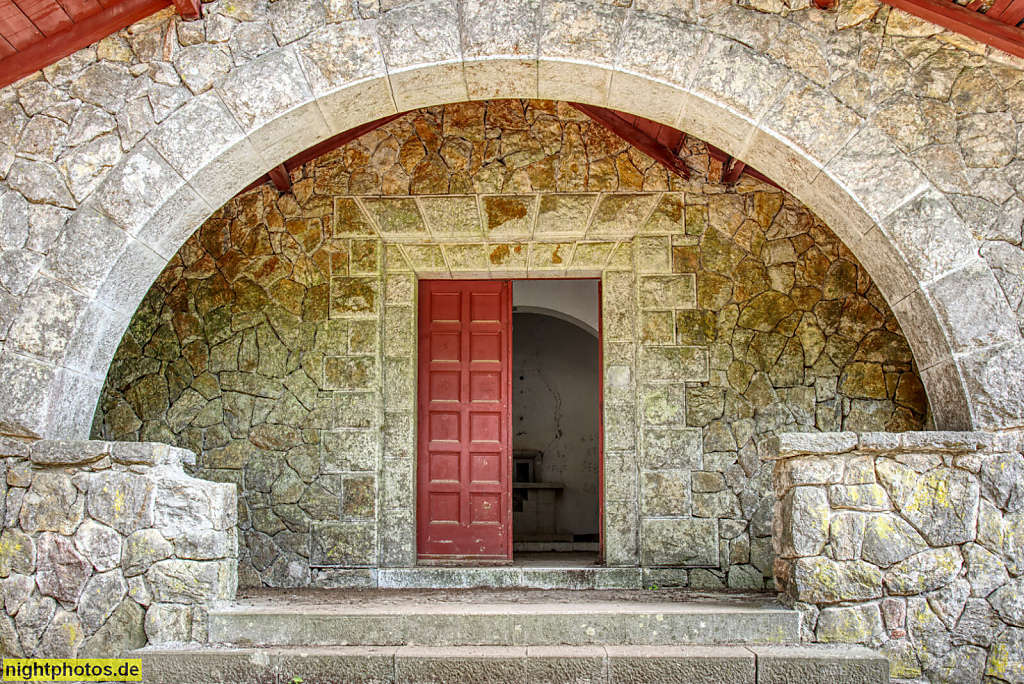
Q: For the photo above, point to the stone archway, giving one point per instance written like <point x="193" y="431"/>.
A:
<point x="76" y="308"/>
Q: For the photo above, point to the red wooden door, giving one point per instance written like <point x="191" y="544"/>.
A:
<point x="464" y="505"/>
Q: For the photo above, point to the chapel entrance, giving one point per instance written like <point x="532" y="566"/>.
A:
<point x="509" y="436"/>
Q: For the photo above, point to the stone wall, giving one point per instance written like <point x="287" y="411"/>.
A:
<point x="108" y="546"/>
<point x="279" y="343"/>
<point x="912" y="544"/>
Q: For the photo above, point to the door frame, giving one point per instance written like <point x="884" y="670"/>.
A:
<point x="462" y="561"/>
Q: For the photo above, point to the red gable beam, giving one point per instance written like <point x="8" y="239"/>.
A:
<point x="57" y="35"/>
<point x="279" y="174"/>
<point x="630" y="132"/>
<point x="649" y="143"/>
<point x="636" y="137"/>
<point x="189" y="10"/>
<point x="996" y="28"/>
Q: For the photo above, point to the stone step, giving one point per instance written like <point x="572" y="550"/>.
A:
<point x="505" y="577"/>
<point x="514" y="665"/>
<point x="502" y="619"/>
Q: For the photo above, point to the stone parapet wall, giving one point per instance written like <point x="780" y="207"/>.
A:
<point x="108" y="546"/>
<point x="912" y="544"/>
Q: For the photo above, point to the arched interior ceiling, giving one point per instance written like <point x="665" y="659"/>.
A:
<point x="900" y="227"/>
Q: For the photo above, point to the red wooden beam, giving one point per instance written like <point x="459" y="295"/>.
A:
<point x="967" y="22"/>
<point x="6" y="50"/>
<point x="16" y="28"/>
<point x="720" y="155"/>
<point x="997" y="9"/>
<point x="80" y="9"/>
<point x="635" y="137"/>
<point x="731" y="170"/>
<point x="47" y="15"/>
<point x="281" y="179"/>
<point x="82" y="34"/>
<point x="1014" y="13"/>
<point x="190" y="10"/>
<point x="320" y="149"/>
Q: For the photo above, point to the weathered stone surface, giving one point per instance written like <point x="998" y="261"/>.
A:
<point x="122" y="501"/>
<point x="199" y="544"/>
<point x="100" y="544"/>
<point x="860" y="497"/>
<point x="61" y="453"/>
<point x="985" y="571"/>
<point x="62" y="571"/>
<point x="924" y="571"/>
<point x="1004" y="660"/>
<point x="17" y="553"/>
<point x="190" y="504"/>
<point x="1002" y="480"/>
<point x="680" y="542"/>
<point x="1008" y="601"/>
<point x="32" y="620"/>
<point x="100" y="597"/>
<point x="803" y="522"/>
<point x="889" y="539"/>
<point x="63" y="636"/>
<point x="943" y="506"/>
<point x="123" y="631"/>
<point x="861" y="624"/>
<point x="142" y="549"/>
<point x="166" y="623"/>
<point x="820" y="580"/>
<point x="186" y="581"/>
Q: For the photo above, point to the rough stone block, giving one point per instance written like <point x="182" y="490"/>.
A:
<point x="670" y="665"/>
<point x="344" y="544"/>
<point x="686" y="542"/>
<point x="747" y="85"/>
<point x="781" y="664"/>
<point x="187" y="581"/>
<point x="925" y="571"/>
<point x="671" y="448"/>
<point x="47" y="452"/>
<point x="804" y="443"/>
<point x="62" y="571"/>
<point x="142" y="549"/>
<point x="100" y="544"/>
<point x="821" y="580"/>
<point x="169" y="622"/>
<point x="483" y="664"/>
<point x="807" y="470"/>
<point x="52" y="503"/>
<point x="674" y="364"/>
<point x="859" y="624"/>
<point x="860" y="497"/>
<point x="801" y="523"/>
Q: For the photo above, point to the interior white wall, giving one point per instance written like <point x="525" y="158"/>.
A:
<point x="575" y="301"/>
<point x="555" y="388"/>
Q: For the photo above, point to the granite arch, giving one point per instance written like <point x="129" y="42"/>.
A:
<point x="902" y="228"/>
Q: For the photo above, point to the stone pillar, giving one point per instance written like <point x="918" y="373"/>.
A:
<point x="910" y="543"/>
<point x="109" y="545"/>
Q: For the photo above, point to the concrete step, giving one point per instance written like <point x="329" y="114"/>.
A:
<point x="504" y="577"/>
<point x="515" y="665"/>
<point x="494" y="618"/>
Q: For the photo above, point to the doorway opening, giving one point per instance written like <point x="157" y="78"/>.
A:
<point x="509" y="438"/>
<point x="556" y="422"/>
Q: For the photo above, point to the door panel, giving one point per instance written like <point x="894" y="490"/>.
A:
<point x="463" y="474"/>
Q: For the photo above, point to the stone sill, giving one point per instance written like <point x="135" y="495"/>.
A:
<point x="793" y="444"/>
<point x="99" y="454"/>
